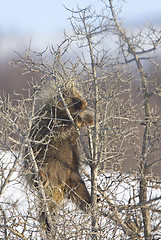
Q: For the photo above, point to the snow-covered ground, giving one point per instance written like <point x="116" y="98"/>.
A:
<point x="19" y="206"/>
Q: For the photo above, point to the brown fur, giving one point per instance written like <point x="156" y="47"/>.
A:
<point x="54" y="143"/>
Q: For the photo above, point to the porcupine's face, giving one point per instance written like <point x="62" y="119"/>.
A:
<point x="78" y="109"/>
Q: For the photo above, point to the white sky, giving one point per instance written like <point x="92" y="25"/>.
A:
<point x="45" y="20"/>
<point x="50" y="15"/>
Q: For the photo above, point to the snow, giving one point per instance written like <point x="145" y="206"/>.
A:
<point x="17" y="199"/>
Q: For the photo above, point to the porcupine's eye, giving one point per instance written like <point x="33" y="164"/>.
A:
<point x="79" y="104"/>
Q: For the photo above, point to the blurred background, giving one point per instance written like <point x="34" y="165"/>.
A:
<point x="43" y="23"/>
